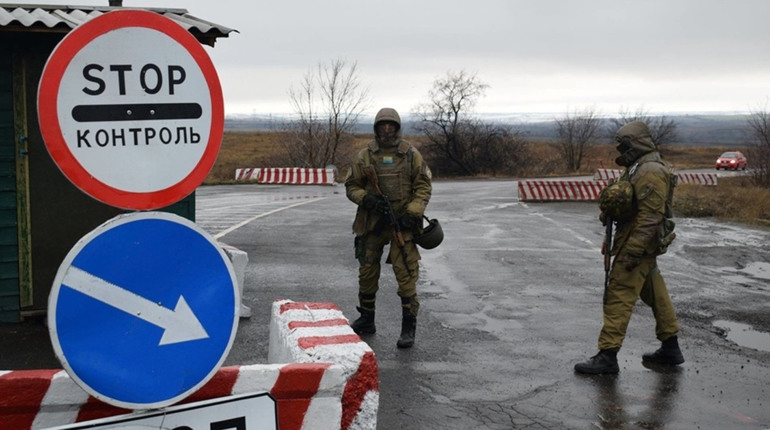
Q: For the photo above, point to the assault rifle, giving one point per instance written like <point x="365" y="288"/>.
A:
<point x="607" y="248"/>
<point x="371" y="175"/>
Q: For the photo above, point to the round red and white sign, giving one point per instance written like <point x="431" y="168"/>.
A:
<point x="131" y="110"/>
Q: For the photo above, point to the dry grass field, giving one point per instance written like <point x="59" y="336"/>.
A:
<point x="733" y="199"/>
<point x="241" y="150"/>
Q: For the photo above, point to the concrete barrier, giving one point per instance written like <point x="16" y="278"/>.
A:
<point x="330" y="382"/>
<point x="684" y="178"/>
<point x="545" y="191"/>
<point x="607" y="174"/>
<point x="251" y="174"/>
<point x="239" y="260"/>
<point x="288" y="175"/>
<point x="296" y="175"/>
<point x="698" y="178"/>
<point x="308" y="332"/>
<point x="37" y="399"/>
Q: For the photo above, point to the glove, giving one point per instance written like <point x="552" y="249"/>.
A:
<point x="370" y="201"/>
<point x="407" y="221"/>
<point x="378" y="203"/>
<point x="630" y="261"/>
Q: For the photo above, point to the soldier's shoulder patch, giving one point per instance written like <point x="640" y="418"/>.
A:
<point x="646" y="190"/>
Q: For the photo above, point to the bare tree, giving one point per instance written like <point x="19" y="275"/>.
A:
<point x="497" y="149"/>
<point x="446" y="122"/>
<point x="759" y="139"/>
<point x="459" y="143"/>
<point x="663" y="130"/>
<point x="443" y="117"/>
<point x="305" y="147"/>
<point x="328" y="104"/>
<point x="576" y="130"/>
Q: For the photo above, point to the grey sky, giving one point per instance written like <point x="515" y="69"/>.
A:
<point x="536" y="56"/>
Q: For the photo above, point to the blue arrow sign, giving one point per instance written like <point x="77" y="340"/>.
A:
<point x="143" y="310"/>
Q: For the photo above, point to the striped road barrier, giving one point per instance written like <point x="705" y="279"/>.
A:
<point x="698" y="178"/>
<point x="287" y="175"/>
<point x="546" y="191"/>
<point x="38" y="399"/>
<point x="309" y="332"/>
<point x="684" y="178"/>
<point x="251" y="174"/>
<point x="607" y="174"/>
<point x="330" y="383"/>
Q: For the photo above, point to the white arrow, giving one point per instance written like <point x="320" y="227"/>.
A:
<point x="179" y="325"/>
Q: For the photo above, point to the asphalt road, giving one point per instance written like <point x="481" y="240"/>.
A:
<point x="510" y="301"/>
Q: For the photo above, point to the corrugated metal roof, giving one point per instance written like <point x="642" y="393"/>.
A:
<point x="63" y="18"/>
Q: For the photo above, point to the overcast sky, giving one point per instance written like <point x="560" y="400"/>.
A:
<point x="550" y="56"/>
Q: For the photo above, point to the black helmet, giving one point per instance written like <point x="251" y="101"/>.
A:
<point x="431" y="236"/>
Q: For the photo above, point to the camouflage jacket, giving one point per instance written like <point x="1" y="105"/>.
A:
<point x="402" y="175"/>
<point x="644" y="232"/>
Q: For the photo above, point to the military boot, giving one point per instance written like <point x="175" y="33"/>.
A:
<point x="365" y="323"/>
<point x="668" y="353"/>
<point x="606" y="361"/>
<point x="408" y="327"/>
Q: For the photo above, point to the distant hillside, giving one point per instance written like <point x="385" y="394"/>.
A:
<point x="713" y="130"/>
<point x="693" y="129"/>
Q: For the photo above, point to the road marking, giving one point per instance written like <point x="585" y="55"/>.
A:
<point x="262" y="215"/>
<point x="569" y="230"/>
<point x="179" y="325"/>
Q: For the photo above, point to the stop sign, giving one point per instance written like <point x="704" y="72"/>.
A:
<point x="131" y="110"/>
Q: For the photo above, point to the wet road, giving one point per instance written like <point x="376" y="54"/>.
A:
<point x="510" y="301"/>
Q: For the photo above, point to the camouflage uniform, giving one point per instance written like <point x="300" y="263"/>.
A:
<point x="405" y="179"/>
<point x="644" y="230"/>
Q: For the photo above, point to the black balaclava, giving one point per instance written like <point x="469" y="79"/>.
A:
<point x="633" y="141"/>
<point x="388" y="114"/>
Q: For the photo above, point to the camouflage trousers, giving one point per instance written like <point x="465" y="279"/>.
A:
<point x="624" y="289"/>
<point x="369" y="250"/>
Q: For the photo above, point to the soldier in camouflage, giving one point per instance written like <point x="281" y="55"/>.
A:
<point x="404" y="178"/>
<point x="640" y="206"/>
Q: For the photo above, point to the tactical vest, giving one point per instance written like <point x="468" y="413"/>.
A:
<point x="394" y="173"/>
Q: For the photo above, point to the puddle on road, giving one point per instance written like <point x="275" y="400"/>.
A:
<point x="752" y="275"/>
<point x="759" y="270"/>
<point x="744" y="335"/>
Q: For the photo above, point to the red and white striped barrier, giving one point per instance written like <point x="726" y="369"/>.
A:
<point x="331" y="383"/>
<point x="296" y="175"/>
<point x="287" y="175"/>
<point x="306" y="332"/>
<point x="304" y="392"/>
<point x="697" y="178"/>
<point x="607" y="174"/>
<point x="251" y="174"/>
<point x="544" y="191"/>
<point x="684" y="178"/>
